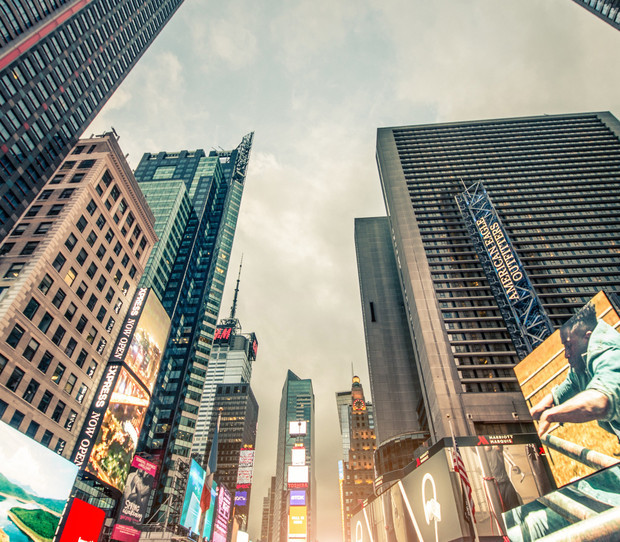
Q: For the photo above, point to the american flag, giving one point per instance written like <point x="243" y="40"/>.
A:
<point x="459" y="468"/>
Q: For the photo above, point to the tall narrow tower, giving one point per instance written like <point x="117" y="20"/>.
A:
<point x="59" y="64"/>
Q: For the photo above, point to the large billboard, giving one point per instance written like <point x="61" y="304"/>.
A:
<point x="297" y="521"/>
<point x="84" y="523"/>
<point x="246" y="468"/>
<point x="428" y="502"/>
<point x="190" y="515"/>
<point x="571" y="383"/>
<point x="109" y="436"/>
<point x="133" y="507"/>
<point x="222" y="515"/>
<point x="35" y="484"/>
<point x="297" y="476"/>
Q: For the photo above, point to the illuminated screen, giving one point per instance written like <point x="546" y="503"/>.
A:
<point x="241" y="498"/>
<point x="297" y="428"/>
<point x="565" y="381"/>
<point x="206" y="533"/>
<point x="84" y="523"/>
<point x="297" y="520"/>
<point x="297" y="475"/>
<point x="35" y="484"/>
<point x="117" y="440"/>
<point x="297" y="497"/>
<point x="246" y="467"/>
<point x="298" y="456"/>
<point x="220" y="528"/>
<point x="190" y="516"/>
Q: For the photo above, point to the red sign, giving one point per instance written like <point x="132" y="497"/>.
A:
<point x="222" y="334"/>
<point x="84" y="523"/>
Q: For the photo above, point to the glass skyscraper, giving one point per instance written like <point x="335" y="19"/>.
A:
<point x="197" y="218"/>
<point x="555" y="184"/>
<point x="608" y="10"/>
<point x="60" y="61"/>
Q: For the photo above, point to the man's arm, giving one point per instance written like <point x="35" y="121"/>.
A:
<point x="584" y="407"/>
<point x="541" y="406"/>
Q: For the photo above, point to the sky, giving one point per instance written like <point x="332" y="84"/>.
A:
<point x="314" y="80"/>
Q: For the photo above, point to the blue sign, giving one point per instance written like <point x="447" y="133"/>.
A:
<point x="297" y="497"/>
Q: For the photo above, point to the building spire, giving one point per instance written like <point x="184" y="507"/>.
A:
<point x="233" y="309"/>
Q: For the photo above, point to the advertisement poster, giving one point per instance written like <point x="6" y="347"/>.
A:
<point x="206" y="533"/>
<point x="135" y="500"/>
<point x="190" y="516"/>
<point x="84" y="523"/>
<point x="571" y="384"/>
<point x="117" y="440"/>
<point x="35" y="484"/>
<point x="222" y="515"/>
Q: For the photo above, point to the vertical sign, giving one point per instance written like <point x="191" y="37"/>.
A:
<point x="224" y="502"/>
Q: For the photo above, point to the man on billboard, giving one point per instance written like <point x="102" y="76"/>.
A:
<point x="591" y="390"/>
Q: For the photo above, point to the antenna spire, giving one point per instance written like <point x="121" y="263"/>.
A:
<point x="233" y="309"/>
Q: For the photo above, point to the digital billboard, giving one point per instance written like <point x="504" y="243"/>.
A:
<point x="297" y="497"/>
<point x="35" y="484"/>
<point x="222" y="515"/>
<point x="298" y="456"/>
<point x="241" y="498"/>
<point x="297" y="476"/>
<point x="109" y="436"/>
<point x="571" y="384"/>
<point x="428" y="502"/>
<point x="297" y="428"/>
<point x="84" y="523"/>
<point x="223" y="334"/>
<point x="190" y="515"/>
<point x="246" y="468"/>
<point x="135" y="500"/>
<point x="297" y="521"/>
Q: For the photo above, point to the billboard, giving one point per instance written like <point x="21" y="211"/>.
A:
<point x="298" y="456"/>
<point x="297" y="497"/>
<point x="190" y="515"/>
<point x="428" y="503"/>
<point x="35" y="484"/>
<point x="246" y="467"/>
<point x="109" y="436"/>
<point x="206" y="533"/>
<point x="83" y="524"/>
<point x="297" y="476"/>
<point x="222" y="515"/>
<point x="135" y="500"/>
<point x="223" y="334"/>
<point x="297" y="521"/>
<point x="297" y="428"/>
<point x="571" y="384"/>
<point x="241" y="498"/>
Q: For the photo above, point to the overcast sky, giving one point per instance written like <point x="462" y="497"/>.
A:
<point x="314" y="80"/>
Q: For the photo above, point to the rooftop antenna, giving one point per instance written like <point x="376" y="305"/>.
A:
<point x="352" y="372"/>
<point x="233" y="309"/>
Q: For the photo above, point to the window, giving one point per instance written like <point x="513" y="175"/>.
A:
<point x="110" y="325"/>
<point x="81" y="324"/>
<point x="45" y="194"/>
<point x="3" y="405"/>
<point x="91" y="369"/>
<point x="19" y="229"/>
<point x="81" y="223"/>
<point x="60" y="408"/>
<point x="46" y="284"/>
<point x="86" y="164"/>
<point x="81" y="290"/>
<point x="14" y="270"/>
<point x="60" y="446"/>
<point x="117" y="248"/>
<point x="31" y="390"/>
<point x="55" y="209"/>
<point x="70" y="420"/>
<point x="58" y="335"/>
<point x="81" y="257"/>
<point x="100" y="221"/>
<point x="118" y="306"/>
<point x="109" y="265"/>
<point x="70" y="312"/>
<point x="92" y="301"/>
<point x="6" y="248"/>
<point x="91" y="207"/>
<point x="32" y="429"/>
<point x="132" y="271"/>
<point x="70" y="242"/>
<point x="17" y="419"/>
<point x="109" y="235"/>
<point x="15" y="336"/>
<point x="43" y="228"/>
<point x="109" y="295"/>
<point x="81" y="394"/>
<point x="31" y="349"/>
<point x="32" y="308"/>
<point x="3" y="361"/>
<point x="101" y="283"/>
<point x="91" y="335"/>
<point x="66" y="193"/>
<point x="92" y="238"/>
<point x="101" y="252"/>
<point x="59" y="297"/>
<point x="59" y="262"/>
<point x="70" y="384"/>
<point x="33" y="211"/>
<point x="29" y="248"/>
<point x="101" y="314"/>
<point x="60" y="370"/>
<point x="45" y="401"/>
<point x="101" y="346"/>
<point x="92" y="270"/>
<point x="118" y="276"/>
<point x="77" y="178"/>
<point x="70" y="348"/>
<point x="81" y="358"/>
<point x="15" y="379"/>
<point x="125" y="260"/>
<point x="45" y="362"/>
<point x="47" y="438"/>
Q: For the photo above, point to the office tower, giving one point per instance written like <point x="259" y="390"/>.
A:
<point x="191" y="282"/>
<point x="357" y="430"/>
<point x="59" y="64"/>
<point x="608" y="10"/>
<point x="236" y="442"/>
<point x="268" y="508"/>
<point x="296" y="411"/>
<point x="554" y="182"/>
<point x="69" y="269"/>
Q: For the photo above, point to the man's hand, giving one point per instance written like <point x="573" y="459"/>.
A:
<point x="537" y="410"/>
<point x="543" y="424"/>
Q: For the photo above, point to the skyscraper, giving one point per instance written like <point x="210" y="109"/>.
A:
<point x="59" y="64"/>
<point x="608" y="10"/>
<point x="190" y="281"/>
<point x="555" y="184"/>
<point x="296" y="405"/>
<point x="69" y="269"/>
<point x="358" y="435"/>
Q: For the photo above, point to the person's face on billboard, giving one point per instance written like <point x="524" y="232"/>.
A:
<point x="575" y="340"/>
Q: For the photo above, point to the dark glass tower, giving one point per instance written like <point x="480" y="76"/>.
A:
<point x="60" y="61"/>
<point x="555" y="184"/>
<point x="191" y="260"/>
<point x="608" y="10"/>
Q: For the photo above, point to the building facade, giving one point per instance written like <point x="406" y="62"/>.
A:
<point x="296" y="405"/>
<point x="268" y="508"/>
<point x="59" y="64"/>
<point x="608" y="10"/>
<point x="357" y="430"/>
<point x="191" y="283"/>
<point x="70" y="267"/>
<point x="555" y="184"/>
